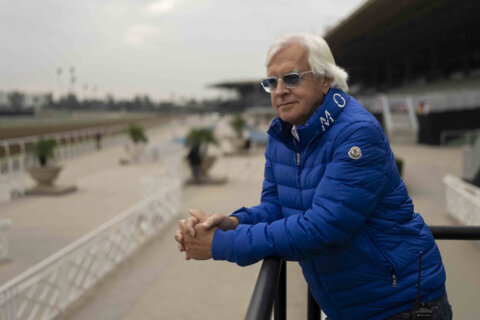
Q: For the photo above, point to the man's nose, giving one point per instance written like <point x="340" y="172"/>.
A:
<point x="281" y="88"/>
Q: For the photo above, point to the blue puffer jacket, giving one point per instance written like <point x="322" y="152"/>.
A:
<point x="335" y="202"/>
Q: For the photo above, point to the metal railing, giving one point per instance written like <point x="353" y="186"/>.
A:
<point x="47" y="289"/>
<point x="270" y="289"/>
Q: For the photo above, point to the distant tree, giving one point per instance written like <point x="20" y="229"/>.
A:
<point x="48" y="102"/>
<point x="110" y="103"/>
<point x="16" y="100"/>
<point x="69" y="102"/>
<point x="137" y="103"/>
<point x="147" y="103"/>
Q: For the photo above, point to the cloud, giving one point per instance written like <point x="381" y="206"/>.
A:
<point x="159" y="7"/>
<point x="137" y="34"/>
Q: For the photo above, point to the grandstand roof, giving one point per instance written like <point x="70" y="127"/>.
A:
<point x="388" y="42"/>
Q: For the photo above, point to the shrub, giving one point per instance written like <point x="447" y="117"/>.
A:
<point x="137" y="134"/>
<point x="43" y="150"/>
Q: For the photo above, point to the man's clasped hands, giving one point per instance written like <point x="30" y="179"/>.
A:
<point x="195" y="234"/>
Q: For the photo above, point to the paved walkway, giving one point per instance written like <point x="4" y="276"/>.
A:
<point x="157" y="283"/>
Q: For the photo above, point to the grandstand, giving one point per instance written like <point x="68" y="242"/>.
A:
<point x="426" y="49"/>
<point x="386" y="43"/>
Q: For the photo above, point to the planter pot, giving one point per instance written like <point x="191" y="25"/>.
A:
<point x="203" y="176"/>
<point x="207" y="163"/>
<point x="135" y="151"/>
<point x="45" y="176"/>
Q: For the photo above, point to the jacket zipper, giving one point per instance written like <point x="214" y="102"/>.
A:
<point x="394" y="276"/>
<point x="299" y="173"/>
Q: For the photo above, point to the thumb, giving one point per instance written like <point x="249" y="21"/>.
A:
<point x="212" y="221"/>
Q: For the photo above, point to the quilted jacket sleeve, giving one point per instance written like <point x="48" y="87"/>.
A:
<point x="269" y="209"/>
<point x="346" y="195"/>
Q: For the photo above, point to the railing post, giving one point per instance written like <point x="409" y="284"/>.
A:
<point x="63" y="283"/>
<point x="313" y="312"/>
<point x="261" y="302"/>
<point x="280" y="306"/>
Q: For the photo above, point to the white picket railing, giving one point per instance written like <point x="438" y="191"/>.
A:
<point x="69" y="144"/>
<point x="4" y="226"/>
<point x="45" y="290"/>
<point x="463" y="200"/>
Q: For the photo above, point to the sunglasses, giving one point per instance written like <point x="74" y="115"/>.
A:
<point x="290" y="80"/>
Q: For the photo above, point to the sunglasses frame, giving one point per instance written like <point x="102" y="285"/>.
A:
<point x="277" y="79"/>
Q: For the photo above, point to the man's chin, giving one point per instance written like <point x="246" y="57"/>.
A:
<point x="287" y="118"/>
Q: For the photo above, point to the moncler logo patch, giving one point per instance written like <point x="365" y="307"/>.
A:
<point x="337" y="96"/>
<point x="355" y="153"/>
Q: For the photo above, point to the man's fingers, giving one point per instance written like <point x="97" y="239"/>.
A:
<point x="199" y="214"/>
<point x="189" y="223"/>
<point x="181" y="225"/>
<point x="179" y="236"/>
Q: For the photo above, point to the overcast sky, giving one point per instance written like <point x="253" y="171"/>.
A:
<point x="166" y="49"/>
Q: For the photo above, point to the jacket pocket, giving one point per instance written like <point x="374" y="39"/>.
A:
<point x="384" y="260"/>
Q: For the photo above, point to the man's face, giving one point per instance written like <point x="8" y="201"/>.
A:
<point x="296" y="105"/>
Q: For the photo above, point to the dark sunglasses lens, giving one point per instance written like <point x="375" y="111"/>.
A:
<point x="291" y="79"/>
<point x="269" y="84"/>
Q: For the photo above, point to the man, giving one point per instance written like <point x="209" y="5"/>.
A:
<point x="332" y="199"/>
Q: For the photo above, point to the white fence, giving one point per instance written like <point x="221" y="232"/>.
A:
<point x="4" y="225"/>
<point x="471" y="156"/>
<point x="69" y="144"/>
<point x="45" y="290"/>
<point x="463" y="200"/>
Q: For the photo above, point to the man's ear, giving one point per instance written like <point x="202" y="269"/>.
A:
<point x="326" y="84"/>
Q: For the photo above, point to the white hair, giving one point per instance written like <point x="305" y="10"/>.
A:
<point x="320" y="57"/>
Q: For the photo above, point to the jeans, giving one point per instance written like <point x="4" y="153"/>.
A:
<point x="442" y="310"/>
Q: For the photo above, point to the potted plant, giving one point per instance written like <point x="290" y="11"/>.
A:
<point x="46" y="173"/>
<point x="136" y="148"/>
<point x="137" y="134"/>
<point x="238" y="125"/>
<point x="197" y="140"/>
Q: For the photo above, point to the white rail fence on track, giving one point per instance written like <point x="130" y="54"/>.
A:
<point x="48" y="288"/>
<point x="18" y="153"/>
<point x="4" y="225"/>
<point x="463" y="200"/>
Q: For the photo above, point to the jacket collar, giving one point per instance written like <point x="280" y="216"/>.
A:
<point x="318" y="123"/>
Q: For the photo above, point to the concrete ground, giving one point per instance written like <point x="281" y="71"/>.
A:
<point x="157" y="283"/>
